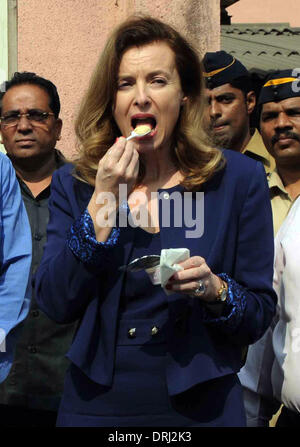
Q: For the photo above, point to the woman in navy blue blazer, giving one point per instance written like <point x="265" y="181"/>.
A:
<point x="143" y="354"/>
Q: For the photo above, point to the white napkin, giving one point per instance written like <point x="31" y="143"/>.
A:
<point x="168" y="264"/>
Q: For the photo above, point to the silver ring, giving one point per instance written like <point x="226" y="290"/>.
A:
<point x="200" y="289"/>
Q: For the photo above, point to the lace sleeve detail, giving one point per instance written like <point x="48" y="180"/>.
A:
<point x="233" y="308"/>
<point x="83" y="243"/>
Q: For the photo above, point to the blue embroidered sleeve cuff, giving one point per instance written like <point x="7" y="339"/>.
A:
<point x="233" y="308"/>
<point x="83" y="243"/>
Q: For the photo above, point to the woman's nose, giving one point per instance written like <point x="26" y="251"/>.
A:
<point x="142" y="97"/>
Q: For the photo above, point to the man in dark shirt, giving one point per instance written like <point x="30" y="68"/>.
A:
<point x="30" y="109"/>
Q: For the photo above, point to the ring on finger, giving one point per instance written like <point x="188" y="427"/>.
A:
<point x="200" y="290"/>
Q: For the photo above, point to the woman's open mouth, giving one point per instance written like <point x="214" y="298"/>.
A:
<point x="145" y="121"/>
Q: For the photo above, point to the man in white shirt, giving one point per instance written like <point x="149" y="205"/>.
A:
<point x="271" y="376"/>
<point x="285" y="372"/>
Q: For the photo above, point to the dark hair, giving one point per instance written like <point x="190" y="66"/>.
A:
<point x="26" y="77"/>
<point x="247" y="84"/>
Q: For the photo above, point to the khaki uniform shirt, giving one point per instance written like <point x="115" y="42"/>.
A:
<point x="257" y="150"/>
<point x="280" y="199"/>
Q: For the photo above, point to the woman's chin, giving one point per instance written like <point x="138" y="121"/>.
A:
<point x="144" y="147"/>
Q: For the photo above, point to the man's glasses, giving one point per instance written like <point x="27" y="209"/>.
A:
<point x="35" y="117"/>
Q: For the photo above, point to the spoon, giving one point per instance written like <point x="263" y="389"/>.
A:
<point x="143" y="263"/>
<point x="139" y="131"/>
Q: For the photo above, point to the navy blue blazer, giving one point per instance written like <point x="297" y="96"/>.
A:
<point x="237" y="240"/>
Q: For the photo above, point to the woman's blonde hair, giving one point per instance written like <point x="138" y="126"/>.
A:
<point x="95" y="126"/>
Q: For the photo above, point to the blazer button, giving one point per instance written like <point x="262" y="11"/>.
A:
<point x="132" y="332"/>
<point x="154" y="330"/>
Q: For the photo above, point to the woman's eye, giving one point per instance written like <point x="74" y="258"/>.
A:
<point x="159" y="81"/>
<point x="123" y="84"/>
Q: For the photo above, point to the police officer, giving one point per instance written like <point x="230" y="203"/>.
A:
<point x="230" y="100"/>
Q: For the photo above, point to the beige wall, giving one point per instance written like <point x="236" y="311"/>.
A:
<point x="3" y="47"/>
<point x="62" y="39"/>
<point x="266" y="11"/>
<point x="3" y="41"/>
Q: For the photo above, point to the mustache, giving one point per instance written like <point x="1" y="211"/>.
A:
<point x="287" y="134"/>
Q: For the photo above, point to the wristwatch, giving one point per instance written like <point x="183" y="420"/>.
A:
<point x="221" y="295"/>
<point x="222" y="292"/>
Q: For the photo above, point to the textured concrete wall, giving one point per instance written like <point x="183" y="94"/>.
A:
<point x="266" y="11"/>
<point x="61" y="39"/>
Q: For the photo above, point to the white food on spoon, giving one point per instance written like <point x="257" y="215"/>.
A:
<point x="140" y="131"/>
